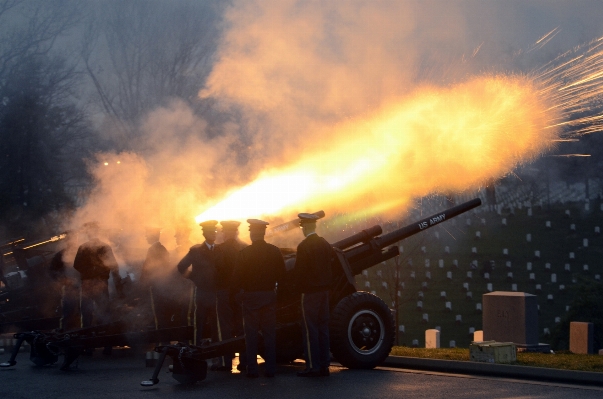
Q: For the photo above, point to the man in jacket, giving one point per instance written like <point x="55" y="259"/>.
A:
<point x="258" y="269"/>
<point x="313" y="270"/>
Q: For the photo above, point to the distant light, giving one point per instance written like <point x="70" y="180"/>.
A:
<point x="106" y="163"/>
<point x="118" y="161"/>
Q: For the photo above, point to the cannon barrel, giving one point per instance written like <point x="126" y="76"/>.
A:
<point x="363" y="236"/>
<point x="359" y="256"/>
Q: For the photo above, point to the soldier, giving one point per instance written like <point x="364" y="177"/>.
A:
<point x="66" y="282"/>
<point x="313" y="272"/>
<point x="155" y="278"/>
<point x="185" y="288"/>
<point x="203" y="260"/>
<point x="258" y="269"/>
<point x="95" y="262"/>
<point x="228" y="315"/>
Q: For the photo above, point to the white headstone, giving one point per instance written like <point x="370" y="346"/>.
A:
<point x="529" y="266"/>
<point x="424" y="249"/>
<point x="528" y="237"/>
<point x="529" y="211"/>
<point x="510" y="276"/>
<point x="478" y="234"/>
<point x="367" y="284"/>
<point x="468" y="222"/>
<point x="473" y="250"/>
<point x="401" y="328"/>
<point x="546" y="331"/>
<point x="538" y="287"/>
<point x="504" y="222"/>
<point x="424" y="285"/>
<point x="441" y="263"/>
<point x="489" y="287"/>
<point x="508" y="264"/>
<point x="432" y="339"/>
<point x="505" y="251"/>
<point x="449" y="275"/>
<point x="399" y="294"/>
<point x="597" y="277"/>
<point x="572" y="227"/>
<point x="425" y="317"/>
<point x="586" y="206"/>
<point x="458" y="318"/>
<point x="469" y="295"/>
<point x="513" y="287"/>
<point x="469" y="274"/>
<point x="567" y="308"/>
<point x="553" y="278"/>
<point x="415" y="343"/>
<point x="483" y="221"/>
<point x="466" y="286"/>
<point x="448" y="305"/>
<point x="572" y="255"/>
<point x="443" y="294"/>
<point x="547" y="266"/>
<point x="455" y="263"/>
<point x="374" y="292"/>
<point x="549" y="297"/>
<point x="421" y="294"/>
<point x="471" y="330"/>
<point x="365" y="273"/>
<point x="548" y="224"/>
<point x="447" y="249"/>
<point x="561" y="287"/>
<point x="598" y="229"/>
<point x="567" y="212"/>
<point x="557" y="319"/>
<point x="585" y="268"/>
<point x="532" y="277"/>
<point x="428" y="275"/>
<point x="585" y="242"/>
<point x="452" y="344"/>
<point x="419" y="305"/>
<point x="537" y="254"/>
<point x="478" y="307"/>
<point x="427" y="263"/>
<point x="474" y="264"/>
<point x="437" y="234"/>
<point x="412" y="275"/>
<point x="486" y="276"/>
<point x="379" y="273"/>
<point x="384" y="284"/>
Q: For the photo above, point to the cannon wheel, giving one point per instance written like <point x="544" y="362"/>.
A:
<point x="362" y="331"/>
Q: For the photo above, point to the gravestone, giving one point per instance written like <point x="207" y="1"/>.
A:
<point x="505" y="251"/>
<point x="478" y="307"/>
<point x="458" y="318"/>
<point x="425" y="317"/>
<point x="419" y="305"/>
<point x="401" y="329"/>
<point x="478" y="235"/>
<point x="528" y="237"/>
<point x="447" y="249"/>
<point x="567" y="267"/>
<point x="421" y="295"/>
<point x="427" y="263"/>
<point x="510" y="276"/>
<point x="514" y="287"/>
<point x="529" y="266"/>
<point x="384" y="284"/>
<point x="432" y="339"/>
<point x="452" y="344"/>
<point x="512" y="317"/>
<point x="585" y="242"/>
<point x="486" y="276"/>
<point x="473" y="250"/>
<point x="597" y="230"/>
<point x="449" y="275"/>
<point x="585" y="267"/>
<point x="561" y="287"/>
<point x="424" y="249"/>
<point x="443" y="295"/>
<point x="412" y="275"/>
<point x="489" y="287"/>
<point x="548" y="224"/>
<point x="469" y="295"/>
<point x="572" y="227"/>
<point x="365" y="273"/>
<point x="428" y="275"/>
<point x="547" y="266"/>
<point x="553" y="278"/>
<point x="441" y="263"/>
<point x="469" y="275"/>
<point x="466" y="286"/>
<point x="572" y="255"/>
<point x="537" y="254"/>
<point x="538" y="287"/>
<point x="508" y="264"/>
<point x="448" y="306"/>
<point x="532" y="277"/>
<point x="367" y="284"/>
<point x="581" y="337"/>
<point x="415" y="343"/>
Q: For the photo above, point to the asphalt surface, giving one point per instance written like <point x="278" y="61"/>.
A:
<point x="119" y="376"/>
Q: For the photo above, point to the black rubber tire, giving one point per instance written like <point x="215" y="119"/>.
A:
<point x="362" y="331"/>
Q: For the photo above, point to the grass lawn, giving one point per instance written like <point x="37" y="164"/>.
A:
<point x="561" y="360"/>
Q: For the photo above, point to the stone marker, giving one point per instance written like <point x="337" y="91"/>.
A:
<point x="432" y="339"/>
<point x="448" y="306"/>
<point x="458" y="318"/>
<point x="469" y="295"/>
<point x="508" y="264"/>
<point x="468" y="222"/>
<point x="443" y="295"/>
<point x="585" y="242"/>
<point x="474" y="264"/>
<point x="447" y="249"/>
<point x="586" y="206"/>
<point x="529" y="266"/>
<point x="452" y="344"/>
<point x="528" y="237"/>
<point x="449" y="275"/>
<point x="572" y="227"/>
<point x="537" y="254"/>
<point x="538" y="287"/>
<point x="489" y="287"/>
<point x="585" y="268"/>
<point x="401" y="328"/>
<point x="419" y="305"/>
<point x="505" y="251"/>
<point x="567" y="212"/>
<point x="557" y="320"/>
<point x="581" y="337"/>
<point x="486" y="276"/>
<point x="547" y="266"/>
<point x="548" y="224"/>
<point x="441" y="263"/>
<point x="597" y="277"/>
<point x="412" y="275"/>
<point x="379" y="273"/>
<point x="466" y="286"/>
<point x="421" y="294"/>
<point x="504" y="221"/>
<point x="367" y="284"/>
<point x="567" y="267"/>
<point x="478" y="235"/>
<point x="424" y="249"/>
<point x="473" y="250"/>
<point x="478" y="336"/>
<point x="427" y="263"/>
<point x="478" y="307"/>
<point x="572" y="255"/>
<point x="597" y="230"/>
<point x="428" y="275"/>
<point x="399" y="292"/>
<point x="567" y="308"/>
<point x="512" y="317"/>
<point x="510" y="276"/>
<point x="469" y="275"/>
<point x="425" y="317"/>
<point x="549" y="297"/>
<point x="415" y="343"/>
<point x="437" y="234"/>
<point x="455" y="262"/>
<point x="365" y="273"/>
<point x="483" y="221"/>
<point x="424" y="285"/>
<point x="553" y="278"/>
<point x="384" y="284"/>
<point x="546" y="331"/>
<point x="532" y="277"/>
<point x="561" y="287"/>
<point x="514" y="287"/>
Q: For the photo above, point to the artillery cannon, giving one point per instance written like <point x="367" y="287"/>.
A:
<point x="361" y="327"/>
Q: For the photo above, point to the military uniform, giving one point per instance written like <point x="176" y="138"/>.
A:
<point x="258" y="268"/>
<point x="203" y="273"/>
<point x="155" y="279"/>
<point x="228" y="314"/>
<point x="95" y="262"/>
<point x="70" y="291"/>
<point x="313" y="273"/>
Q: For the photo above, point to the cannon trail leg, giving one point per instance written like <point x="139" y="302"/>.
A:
<point x="13" y="355"/>
<point x="154" y="380"/>
<point x="71" y="354"/>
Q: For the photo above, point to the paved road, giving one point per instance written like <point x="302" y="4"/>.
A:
<point x="119" y="376"/>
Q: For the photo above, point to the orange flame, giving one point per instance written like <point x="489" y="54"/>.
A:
<point x="437" y="140"/>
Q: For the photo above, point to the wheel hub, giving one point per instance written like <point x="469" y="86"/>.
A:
<point x="366" y="332"/>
